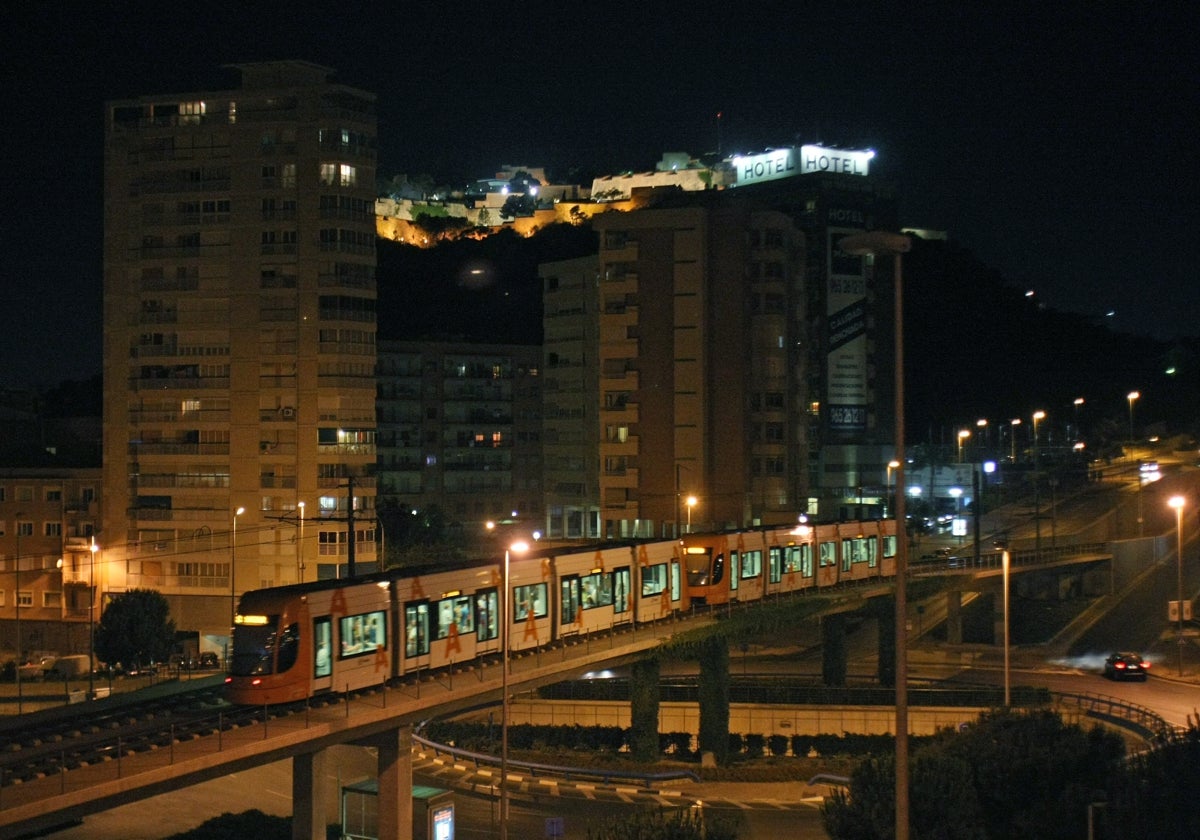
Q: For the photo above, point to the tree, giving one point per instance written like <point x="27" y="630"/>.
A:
<point x="518" y="205"/>
<point x="136" y="629"/>
<point x="1010" y="774"/>
<point x="714" y="697"/>
<point x="1155" y="795"/>
<point x="665" y="825"/>
<point x="643" y="704"/>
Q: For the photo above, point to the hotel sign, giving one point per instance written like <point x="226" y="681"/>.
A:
<point x="806" y="160"/>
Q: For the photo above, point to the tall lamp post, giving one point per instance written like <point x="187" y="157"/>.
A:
<point x="1004" y="560"/>
<point x="233" y="575"/>
<point x="879" y="243"/>
<point x="963" y="434"/>
<point x="1012" y="438"/>
<point x="1178" y="502"/>
<point x="893" y="464"/>
<point x="93" y="548"/>
<point x="1132" y="396"/>
<point x="17" y="603"/>
<point x="518" y="547"/>
<point x="691" y="503"/>
<point x="1037" y="489"/>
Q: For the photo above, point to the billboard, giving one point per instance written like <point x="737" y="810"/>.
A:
<point x="806" y="160"/>
<point x="846" y="341"/>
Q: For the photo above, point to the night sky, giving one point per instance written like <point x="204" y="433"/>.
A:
<point x="1055" y="141"/>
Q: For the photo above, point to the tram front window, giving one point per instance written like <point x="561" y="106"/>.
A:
<point x="253" y="649"/>
<point x="698" y="560"/>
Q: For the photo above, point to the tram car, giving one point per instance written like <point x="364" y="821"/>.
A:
<point x="747" y="565"/>
<point x="331" y="636"/>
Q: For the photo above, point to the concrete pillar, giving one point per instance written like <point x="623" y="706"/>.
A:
<point x="954" y="617"/>
<point x="308" y="800"/>
<point x="395" y="783"/>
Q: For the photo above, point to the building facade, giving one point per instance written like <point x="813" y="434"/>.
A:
<point x="239" y="338"/>
<point x="460" y="430"/>
<point x="702" y="325"/>
<point x="48" y="520"/>
<point x="744" y="360"/>
<point x="570" y="396"/>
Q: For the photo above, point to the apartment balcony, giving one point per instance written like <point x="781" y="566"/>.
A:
<point x="625" y="477"/>
<point x="139" y="449"/>
<point x="613" y="448"/>
<point x="624" y="413"/>
<point x="186" y="383"/>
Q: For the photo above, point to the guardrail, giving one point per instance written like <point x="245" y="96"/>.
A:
<point x="992" y="559"/>
<point x="605" y="776"/>
<point x="1146" y="724"/>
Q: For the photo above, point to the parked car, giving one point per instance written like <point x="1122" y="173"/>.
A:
<point x="1126" y="666"/>
<point x="208" y="659"/>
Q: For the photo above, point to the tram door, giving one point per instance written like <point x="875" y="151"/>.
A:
<point x="569" y="612"/>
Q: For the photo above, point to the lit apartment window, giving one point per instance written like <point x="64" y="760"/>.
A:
<point x="339" y="174"/>
<point x="191" y="113"/>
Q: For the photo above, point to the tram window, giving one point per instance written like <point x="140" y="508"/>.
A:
<point x="775" y="564"/>
<point x="828" y="554"/>
<point x="872" y="552"/>
<point x="322" y="647"/>
<point x="620" y="585"/>
<point x="889" y="545"/>
<point x="486" y="610"/>
<point x="530" y="598"/>
<point x="597" y="590"/>
<point x="654" y="579"/>
<point x="751" y="564"/>
<point x="363" y="633"/>
<point x="289" y="648"/>
<point x="455" y="612"/>
<point x="416" y="628"/>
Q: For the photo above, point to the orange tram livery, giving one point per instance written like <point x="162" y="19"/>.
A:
<point x="294" y="642"/>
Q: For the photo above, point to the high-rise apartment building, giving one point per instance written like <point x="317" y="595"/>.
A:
<point x="570" y="396"/>
<point x="702" y="329"/>
<point x="743" y="360"/>
<point x="460" y="429"/>
<point x="239" y="338"/>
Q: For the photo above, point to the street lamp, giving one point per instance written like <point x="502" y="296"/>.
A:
<point x="963" y="434"/>
<point x="93" y="548"/>
<point x="1078" y="403"/>
<point x="519" y="547"/>
<point x="691" y="503"/>
<point x="233" y="573"/>
<point x="982" y="425"/>
<point x="879" y="243"/>
<point x="1004" y="559"/>
<point x="1178" y="502"/>
<point x="1131" y="396"/>
<point x="893" y="464"/>
<point x="17" y="603"/>
<point x="1037" y="489"/>
<point x="1012" y="438"/>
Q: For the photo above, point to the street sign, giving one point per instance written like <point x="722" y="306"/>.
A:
<point x="1173" y="611"/>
